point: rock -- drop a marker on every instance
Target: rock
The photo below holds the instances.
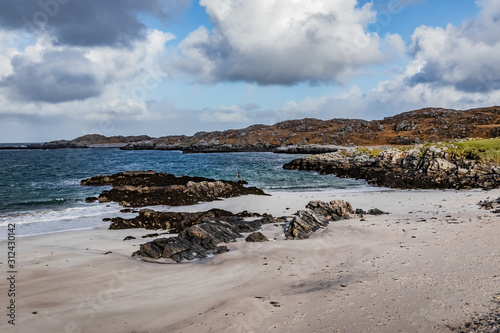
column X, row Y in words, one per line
column 305, row 222
column 129, row 238
column 148, row 188
column 193, row 242
column 307, row 149
column 376, row 211
column 150, row 235
column 489, row 204
column 128, row 210
column 176, row 222
column 256, row 237
column 91, row 199
column 151, row 250
column 429, row 168
column 333, row 210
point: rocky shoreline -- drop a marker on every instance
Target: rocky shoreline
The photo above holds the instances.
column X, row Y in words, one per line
column 413, row 168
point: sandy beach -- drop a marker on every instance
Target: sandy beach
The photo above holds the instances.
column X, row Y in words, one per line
column 433, row 262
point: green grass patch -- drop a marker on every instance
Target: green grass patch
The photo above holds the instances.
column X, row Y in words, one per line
column 486, row 150
column 371, row 152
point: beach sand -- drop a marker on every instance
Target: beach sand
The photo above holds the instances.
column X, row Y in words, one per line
column 433, row 261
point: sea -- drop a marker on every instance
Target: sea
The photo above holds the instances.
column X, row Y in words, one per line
column 40, row 190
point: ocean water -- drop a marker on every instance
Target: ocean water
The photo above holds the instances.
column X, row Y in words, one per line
column 40, row 190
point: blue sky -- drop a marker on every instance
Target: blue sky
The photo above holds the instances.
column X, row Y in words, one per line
column 165, row 67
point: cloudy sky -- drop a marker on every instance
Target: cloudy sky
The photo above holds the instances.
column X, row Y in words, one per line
column 164, row 67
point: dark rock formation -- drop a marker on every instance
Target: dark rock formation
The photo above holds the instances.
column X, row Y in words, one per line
column 376, row 211
column 194, row 242
column 90, row 199
column 333, row 210
column 256, row 237
column 148, row 188
column 318, row 214
column 413, row 168
column 175, row 222
column 129, row 238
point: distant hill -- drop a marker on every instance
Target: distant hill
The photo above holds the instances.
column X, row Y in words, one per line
column 424, row 125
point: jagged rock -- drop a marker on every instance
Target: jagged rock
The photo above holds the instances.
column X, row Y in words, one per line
column 193, row 242
column 176, row 222
column 256, row 237
column 333, row 210
column 305, row 222
column 151, row 250
column 129, row 238
column 148, row 188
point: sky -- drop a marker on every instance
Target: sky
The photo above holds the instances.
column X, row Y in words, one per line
column 168, row 67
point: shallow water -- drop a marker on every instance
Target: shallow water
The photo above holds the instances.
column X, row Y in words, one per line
column 41, row 191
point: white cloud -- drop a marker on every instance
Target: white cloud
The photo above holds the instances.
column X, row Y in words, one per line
column 120, row 80
column 285, row 42
column 464, row 57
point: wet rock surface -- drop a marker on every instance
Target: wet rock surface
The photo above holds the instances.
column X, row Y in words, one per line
column 405, row 169
column 149, row 188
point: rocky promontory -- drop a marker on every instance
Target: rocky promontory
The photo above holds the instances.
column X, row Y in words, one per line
column 149, row 188
column 419, row 167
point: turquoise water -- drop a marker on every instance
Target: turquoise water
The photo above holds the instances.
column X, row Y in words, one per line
column 41, row 192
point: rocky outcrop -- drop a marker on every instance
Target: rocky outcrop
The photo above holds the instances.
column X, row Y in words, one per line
column 317, row 215
column 431, row 168
column 176, row 222
column 149, row 188
column 195, row 242
column 200, row 234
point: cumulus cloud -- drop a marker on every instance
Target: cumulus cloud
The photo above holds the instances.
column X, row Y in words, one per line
column 60, row 76
column 285, row 42
column 88, row 82
column 85, row 23
column 464, row 57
